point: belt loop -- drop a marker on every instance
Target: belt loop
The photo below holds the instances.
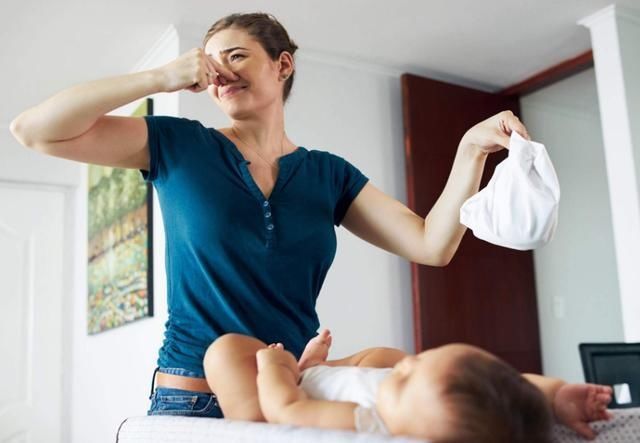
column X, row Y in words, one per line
column 153, row 382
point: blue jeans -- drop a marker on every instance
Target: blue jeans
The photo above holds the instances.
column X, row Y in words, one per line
column 170, row 401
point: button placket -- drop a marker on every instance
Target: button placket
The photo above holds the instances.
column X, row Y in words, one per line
column 268, row 221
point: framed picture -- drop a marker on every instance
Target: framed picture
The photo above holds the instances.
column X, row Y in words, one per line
column 120, row 250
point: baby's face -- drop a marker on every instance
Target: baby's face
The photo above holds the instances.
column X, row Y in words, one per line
column 409, row 399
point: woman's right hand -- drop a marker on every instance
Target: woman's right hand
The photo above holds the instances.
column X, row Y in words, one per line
column 195, row 71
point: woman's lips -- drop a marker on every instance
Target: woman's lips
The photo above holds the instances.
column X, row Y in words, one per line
column 233, row 90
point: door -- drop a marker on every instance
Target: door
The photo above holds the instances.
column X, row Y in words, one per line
column 31, row 306
column 486, row 296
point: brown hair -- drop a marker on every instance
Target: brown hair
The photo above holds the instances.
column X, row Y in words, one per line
column 267, row 30
column 491, row 402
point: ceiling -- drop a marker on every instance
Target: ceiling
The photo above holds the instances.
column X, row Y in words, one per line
column 50, row 45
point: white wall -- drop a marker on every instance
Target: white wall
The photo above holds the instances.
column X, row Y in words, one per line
column 615, row 33
column 576, row 277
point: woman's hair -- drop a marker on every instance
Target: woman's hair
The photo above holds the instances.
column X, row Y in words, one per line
column 267, row 30
column 491, row 402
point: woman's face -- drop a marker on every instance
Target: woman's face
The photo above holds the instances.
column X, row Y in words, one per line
column 409, row 399
column 259, row 85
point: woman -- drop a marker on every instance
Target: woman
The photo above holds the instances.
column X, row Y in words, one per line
column 249, row 215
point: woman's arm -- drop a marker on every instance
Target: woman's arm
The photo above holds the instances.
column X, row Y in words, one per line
column 434, row 240
column 73, row 124
column 73, row 111
column 283, row 401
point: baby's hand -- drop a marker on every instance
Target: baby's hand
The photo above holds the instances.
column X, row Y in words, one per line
column 275, row 354
column 575, row 405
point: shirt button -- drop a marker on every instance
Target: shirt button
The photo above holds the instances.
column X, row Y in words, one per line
column 267, row 214
column 269, row 227
column 265, row 204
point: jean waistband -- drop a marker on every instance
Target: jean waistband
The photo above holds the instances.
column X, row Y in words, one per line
column 180, row 371
column 172, row 371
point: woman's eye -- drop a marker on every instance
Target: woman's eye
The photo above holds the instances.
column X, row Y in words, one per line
column 235, row 55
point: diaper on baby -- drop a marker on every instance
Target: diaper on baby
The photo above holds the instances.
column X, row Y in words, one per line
column 348, row 383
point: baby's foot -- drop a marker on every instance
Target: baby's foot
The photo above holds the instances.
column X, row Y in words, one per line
column 316, row 351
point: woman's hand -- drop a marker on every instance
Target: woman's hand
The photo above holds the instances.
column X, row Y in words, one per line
column 493, row 134
column 195, row 71
column 575, row 405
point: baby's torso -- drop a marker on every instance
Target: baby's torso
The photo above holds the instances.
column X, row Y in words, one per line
column 343, row 383
column 352, row 384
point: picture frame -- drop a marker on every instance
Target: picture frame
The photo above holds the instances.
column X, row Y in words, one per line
column 120, row 244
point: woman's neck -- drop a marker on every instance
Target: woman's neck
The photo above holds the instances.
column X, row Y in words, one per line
column 267, row 136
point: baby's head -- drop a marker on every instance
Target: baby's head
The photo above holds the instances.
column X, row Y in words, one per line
column 460, row 393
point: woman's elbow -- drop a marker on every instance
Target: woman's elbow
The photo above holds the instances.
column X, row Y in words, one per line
column 435, row 260
column 18, row 133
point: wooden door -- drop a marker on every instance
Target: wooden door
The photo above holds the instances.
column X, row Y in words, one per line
column 486, row 296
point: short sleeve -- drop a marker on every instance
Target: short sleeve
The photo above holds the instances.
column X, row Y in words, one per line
column 167, row 137
column 350, row 181
column 154, row 148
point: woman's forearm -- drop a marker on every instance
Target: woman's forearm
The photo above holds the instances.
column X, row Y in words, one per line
column 443, row 230
column 72, row 111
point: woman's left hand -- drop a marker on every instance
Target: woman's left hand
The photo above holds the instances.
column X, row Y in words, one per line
column 494, row 133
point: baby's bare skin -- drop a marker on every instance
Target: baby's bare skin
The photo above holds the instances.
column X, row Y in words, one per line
column 316, row 351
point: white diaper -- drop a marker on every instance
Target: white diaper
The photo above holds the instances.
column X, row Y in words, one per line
column 348, row 383
column 518, row 208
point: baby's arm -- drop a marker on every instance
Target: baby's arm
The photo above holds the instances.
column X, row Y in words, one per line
column 575, row 405
column 549, row 386
column 283, row 401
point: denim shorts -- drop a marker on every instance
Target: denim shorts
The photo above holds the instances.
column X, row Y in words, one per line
column 170, row 401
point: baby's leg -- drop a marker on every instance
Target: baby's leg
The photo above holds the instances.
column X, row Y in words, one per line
column 371, row 358
column 230, row 369
column 317, row 350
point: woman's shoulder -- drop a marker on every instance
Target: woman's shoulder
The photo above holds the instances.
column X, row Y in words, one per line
column 326, row 156
column 173, row 123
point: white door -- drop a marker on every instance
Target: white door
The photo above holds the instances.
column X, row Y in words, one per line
column 31, row 283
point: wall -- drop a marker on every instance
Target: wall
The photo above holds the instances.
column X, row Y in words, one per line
column 576, row 277
column 615, row 32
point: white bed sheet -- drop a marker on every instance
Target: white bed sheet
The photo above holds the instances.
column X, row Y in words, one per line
column 623, row 428
column 170, row 429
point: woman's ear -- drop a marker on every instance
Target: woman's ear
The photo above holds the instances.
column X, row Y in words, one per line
column 286, row 65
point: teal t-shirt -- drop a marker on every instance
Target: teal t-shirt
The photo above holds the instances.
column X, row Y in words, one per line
column 235, row 261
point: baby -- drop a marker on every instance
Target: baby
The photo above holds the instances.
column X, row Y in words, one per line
column 454, row 393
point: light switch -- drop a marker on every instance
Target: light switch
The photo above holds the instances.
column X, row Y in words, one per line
column 558, row 306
